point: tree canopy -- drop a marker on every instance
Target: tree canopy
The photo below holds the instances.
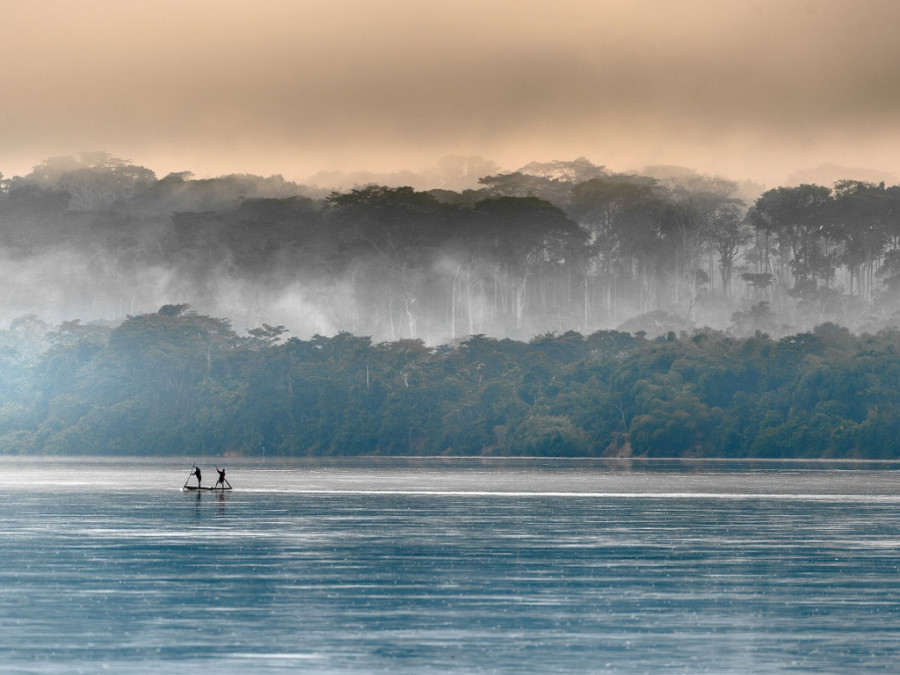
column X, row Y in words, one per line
column 182, row 383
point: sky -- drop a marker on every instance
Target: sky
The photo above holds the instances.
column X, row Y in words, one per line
column 759, row 90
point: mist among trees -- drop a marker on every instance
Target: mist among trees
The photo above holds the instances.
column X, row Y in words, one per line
column 552, row 247
column 558, row 310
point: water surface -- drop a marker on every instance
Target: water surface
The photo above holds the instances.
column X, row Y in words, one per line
column 450, row 565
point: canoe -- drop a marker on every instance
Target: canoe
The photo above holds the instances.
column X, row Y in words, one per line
column 194, row 487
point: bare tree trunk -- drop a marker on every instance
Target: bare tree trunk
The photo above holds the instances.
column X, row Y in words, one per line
column 519, row 300
column 453, row 303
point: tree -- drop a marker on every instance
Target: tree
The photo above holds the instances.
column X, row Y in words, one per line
column 860, row 218
column 527, row 236
column 93, row 180
column 621, row 215
column 703, row 216
column 573, row 171
column 729, row 233
column 267, row 335
column 797, row 218
column 522, row 184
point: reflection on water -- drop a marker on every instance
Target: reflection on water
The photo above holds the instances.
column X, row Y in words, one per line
column 468, row 567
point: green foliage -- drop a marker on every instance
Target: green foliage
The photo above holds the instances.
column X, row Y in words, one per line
column 549, row 436
column 179, row 383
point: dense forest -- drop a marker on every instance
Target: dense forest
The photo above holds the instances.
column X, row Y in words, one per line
column 562, row 309
column 183, row 383
column 553, row 247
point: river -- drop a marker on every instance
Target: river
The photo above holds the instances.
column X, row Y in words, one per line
column 427, row 566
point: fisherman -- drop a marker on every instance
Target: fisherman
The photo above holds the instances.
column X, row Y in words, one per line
column 221, row 480
column 197, row 473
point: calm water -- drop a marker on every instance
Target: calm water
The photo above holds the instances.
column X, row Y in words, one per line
column 530, row 567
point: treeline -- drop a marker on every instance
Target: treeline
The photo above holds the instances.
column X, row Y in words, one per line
column 180, row 383
column 553, row 247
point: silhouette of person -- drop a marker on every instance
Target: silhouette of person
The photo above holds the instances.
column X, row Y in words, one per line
column 221, row 480
column 198, row 474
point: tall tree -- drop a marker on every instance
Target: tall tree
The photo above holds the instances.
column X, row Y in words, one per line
column 797, row 218
column 729, row 234
column 620, row 215
column 860, row 220
column 527, row 236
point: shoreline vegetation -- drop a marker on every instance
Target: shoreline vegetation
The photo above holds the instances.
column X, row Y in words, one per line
column 180, row 383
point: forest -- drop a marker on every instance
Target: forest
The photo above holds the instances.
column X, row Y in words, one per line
column 559, row 310
column 552, row 247
column 175, row 382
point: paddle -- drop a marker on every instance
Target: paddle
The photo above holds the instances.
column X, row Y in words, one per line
column 190, row 475
column 222, row 479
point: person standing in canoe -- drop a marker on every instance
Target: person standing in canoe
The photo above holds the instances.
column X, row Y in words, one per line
column 222, row 480
column 197, row 473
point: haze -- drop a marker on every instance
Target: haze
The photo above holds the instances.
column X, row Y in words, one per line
column 749, row 90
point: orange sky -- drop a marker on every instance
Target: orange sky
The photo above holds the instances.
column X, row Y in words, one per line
column 752, row 89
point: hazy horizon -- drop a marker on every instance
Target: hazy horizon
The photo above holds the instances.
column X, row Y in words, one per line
column 761, row 91
column 404, row 92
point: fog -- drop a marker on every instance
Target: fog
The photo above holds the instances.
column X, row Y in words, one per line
column 752, row 90
column 551, row 247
